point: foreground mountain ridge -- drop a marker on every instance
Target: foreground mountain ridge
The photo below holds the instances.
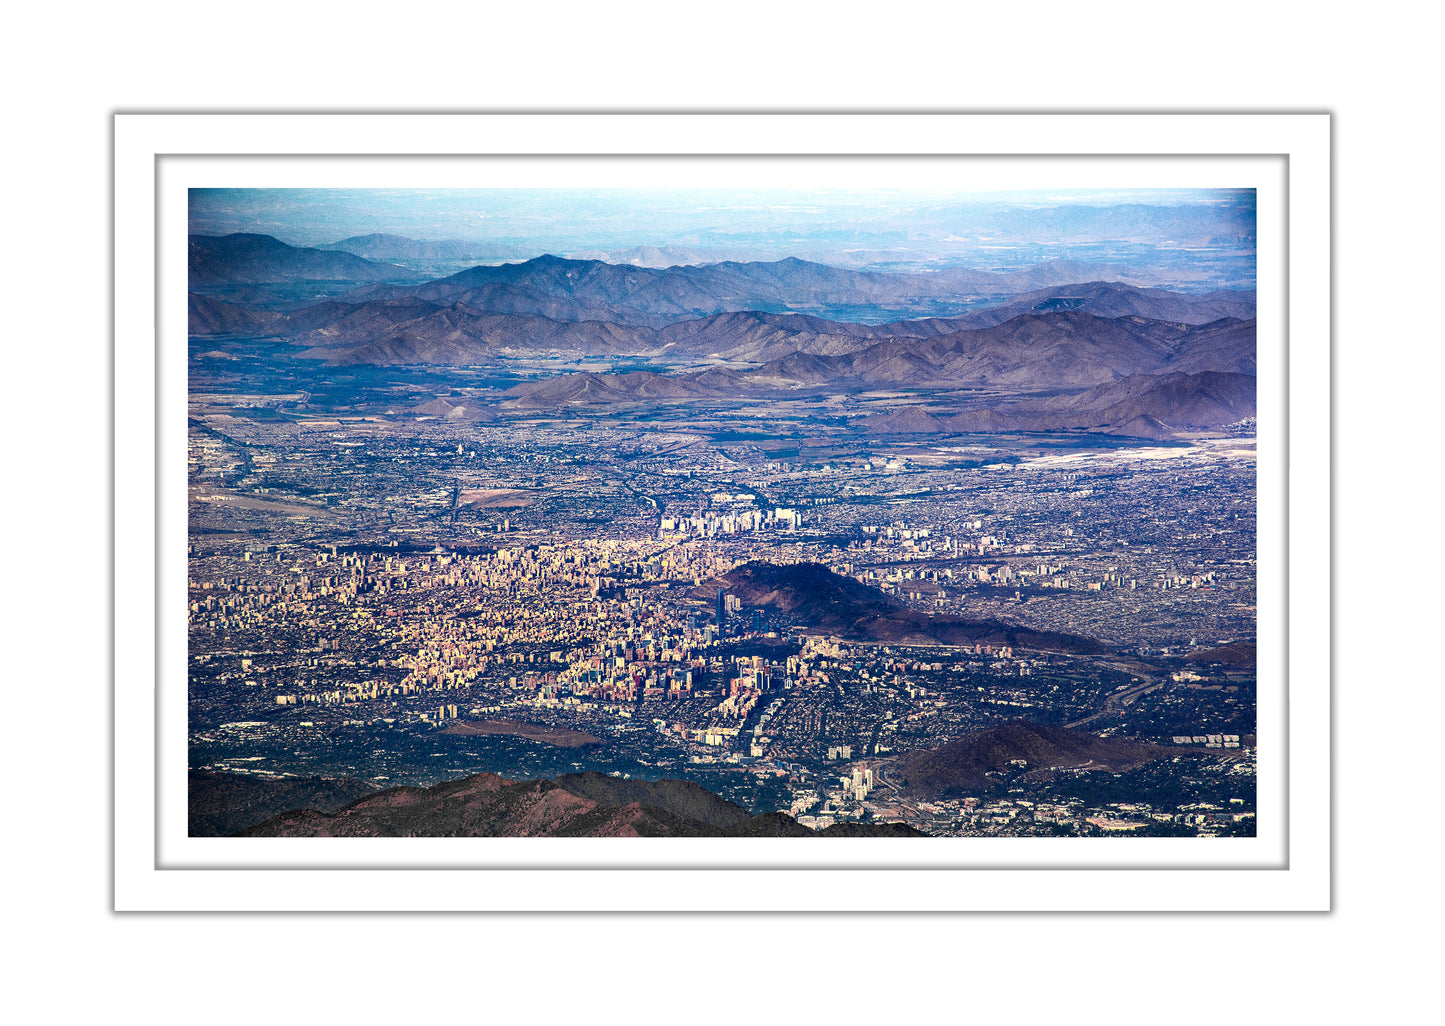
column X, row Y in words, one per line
column 576, row 805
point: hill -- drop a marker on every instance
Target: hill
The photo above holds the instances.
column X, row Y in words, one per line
column 587, row 389
column 381, row 246
column 488, row 313
column 222, row 803
column 1054, row 350
column 207, row 315
column 639, row 293
column 1067, row 351
column 823, row 602
column 392, row 332
column 1178, row 400
column 578, row 805
column 252, row 259
column 1140, row 405
column 1238, row 653
column 962, row 767
column 1114, row 299
column 679, row 797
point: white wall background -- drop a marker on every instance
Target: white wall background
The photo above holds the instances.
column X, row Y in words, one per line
column 68, row 68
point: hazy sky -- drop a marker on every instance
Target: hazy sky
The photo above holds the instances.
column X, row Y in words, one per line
column 837, row 225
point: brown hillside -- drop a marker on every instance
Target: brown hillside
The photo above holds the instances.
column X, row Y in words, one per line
column 962, row 766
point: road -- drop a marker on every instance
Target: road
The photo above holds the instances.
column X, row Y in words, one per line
column 1118, row 700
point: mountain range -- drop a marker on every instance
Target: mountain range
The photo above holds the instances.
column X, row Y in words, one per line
column 1124, row 375
column 1050, row 350
column 594, row 290
column 1058, row 349
column 1031, row 351
column 1141, row 406
column 254, row 259
column 1112, row 299
column 1084, row 356
column 390, row 248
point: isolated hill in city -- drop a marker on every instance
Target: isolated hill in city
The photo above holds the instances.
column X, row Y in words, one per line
column 581, row 805
column 222, row 803
column 962, row 767
column 827, row 603
column 254, row 259
column 823, row 598
column 1236, row 653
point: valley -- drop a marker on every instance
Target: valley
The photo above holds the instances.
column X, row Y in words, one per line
column 836, row 545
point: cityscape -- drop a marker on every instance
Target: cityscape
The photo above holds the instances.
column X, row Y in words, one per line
column 941, row 522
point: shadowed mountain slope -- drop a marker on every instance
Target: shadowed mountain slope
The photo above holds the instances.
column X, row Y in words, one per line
column 1116, row 370
column 1112, row 299
column 592, row 290
column 1142, row 405
column 207, row 315
column 248, row 258
column 222, row 803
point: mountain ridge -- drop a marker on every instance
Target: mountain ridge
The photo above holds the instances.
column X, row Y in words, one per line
column 593, row 290
column 249, row 258
column 575, row 805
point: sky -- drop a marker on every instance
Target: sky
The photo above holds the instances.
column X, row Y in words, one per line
column 1153, row 227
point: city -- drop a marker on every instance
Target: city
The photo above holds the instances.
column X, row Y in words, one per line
column 407, row 573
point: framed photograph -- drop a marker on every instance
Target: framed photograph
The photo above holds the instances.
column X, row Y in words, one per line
column 711, row 512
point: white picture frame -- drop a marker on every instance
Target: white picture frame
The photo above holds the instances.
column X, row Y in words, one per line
column 1288, row 867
